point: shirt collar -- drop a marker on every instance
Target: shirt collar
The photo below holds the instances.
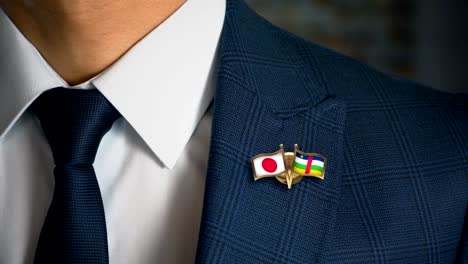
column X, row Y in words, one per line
column 161, row 86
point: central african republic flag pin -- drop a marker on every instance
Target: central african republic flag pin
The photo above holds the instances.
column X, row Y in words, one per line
column 289, row 167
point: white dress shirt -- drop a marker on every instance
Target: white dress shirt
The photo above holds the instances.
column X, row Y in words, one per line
column 150, row 166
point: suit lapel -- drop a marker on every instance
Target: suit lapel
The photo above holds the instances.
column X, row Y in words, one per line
column 265, row 98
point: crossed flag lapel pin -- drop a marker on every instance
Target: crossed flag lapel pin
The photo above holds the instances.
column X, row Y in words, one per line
column 289, row 167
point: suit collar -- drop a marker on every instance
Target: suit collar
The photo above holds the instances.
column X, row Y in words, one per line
column 271, row 61
column 267, row 94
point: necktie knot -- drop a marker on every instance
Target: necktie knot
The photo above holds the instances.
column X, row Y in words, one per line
column 74, row 122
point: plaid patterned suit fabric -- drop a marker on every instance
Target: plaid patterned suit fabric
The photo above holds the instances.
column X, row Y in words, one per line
column 396, row 189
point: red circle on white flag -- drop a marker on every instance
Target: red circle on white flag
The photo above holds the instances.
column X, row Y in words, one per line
column 269, row 165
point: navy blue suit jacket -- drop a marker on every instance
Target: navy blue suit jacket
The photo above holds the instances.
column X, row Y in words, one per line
column 396, row 187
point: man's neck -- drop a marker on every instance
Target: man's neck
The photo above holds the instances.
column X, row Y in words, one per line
column 79, row 39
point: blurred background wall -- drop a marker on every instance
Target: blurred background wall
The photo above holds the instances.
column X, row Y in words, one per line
column 424, row 40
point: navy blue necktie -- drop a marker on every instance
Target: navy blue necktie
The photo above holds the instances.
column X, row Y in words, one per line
column 74, row 122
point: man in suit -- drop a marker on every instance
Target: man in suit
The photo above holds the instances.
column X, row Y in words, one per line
column 136, row 80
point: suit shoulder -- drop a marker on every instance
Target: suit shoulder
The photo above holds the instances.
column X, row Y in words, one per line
column 300, row 71
column 351, row 79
